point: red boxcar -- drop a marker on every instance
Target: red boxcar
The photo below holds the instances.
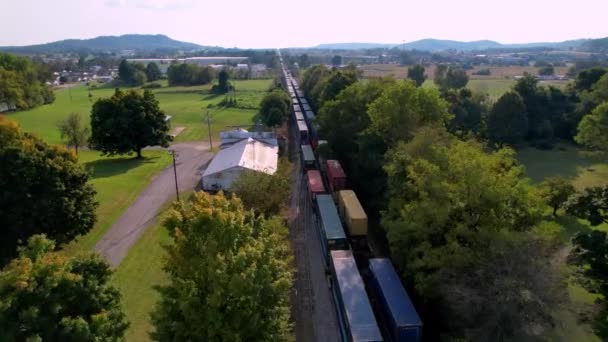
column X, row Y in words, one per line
column 315, row 184
column 335, row 176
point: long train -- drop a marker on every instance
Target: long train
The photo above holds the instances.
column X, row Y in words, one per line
column 378, row 308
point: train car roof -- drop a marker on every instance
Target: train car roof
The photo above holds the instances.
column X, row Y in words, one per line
column 315, row 183
column 299, row 116
column 310, row 114
column 399, row 303
column 334, row 169
column 329, row 217
column 306, row 107
column 351, row 202
column 358, row 309
column 307, row 152
column 302, row 126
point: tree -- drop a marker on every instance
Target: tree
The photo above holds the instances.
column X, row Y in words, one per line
column 593, row 129
column 125, row 71
column 336, row 60
column 507, row 121
column 535, row 101
column 469, row 111
column 303, row 61
column 44, row 190
column 128, row 122
column 153, row 72
column 73, row 131
column 47, row 296
column 229, row 272
column 275, row 108
column 402, row 109
column 337, row 81
column 546, row 71
column 189, row 74
column 588, row 77
column 416, row 73
column 22, row 83
column 448, row 77
column 223, row 84
column 265, row 194
column 555, row 191
column 451, row 205
column 591, row 204
column 589, row 255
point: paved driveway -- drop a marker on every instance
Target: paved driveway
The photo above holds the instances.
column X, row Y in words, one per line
column 191, row 160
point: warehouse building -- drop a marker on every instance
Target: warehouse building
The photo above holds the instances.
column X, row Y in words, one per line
column 229, row 163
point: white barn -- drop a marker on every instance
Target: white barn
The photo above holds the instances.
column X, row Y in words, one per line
column 229, row 163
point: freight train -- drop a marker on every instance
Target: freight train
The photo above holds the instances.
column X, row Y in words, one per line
column 372, row 308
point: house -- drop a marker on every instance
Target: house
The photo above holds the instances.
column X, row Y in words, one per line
column 247, row 155
column 229, row 138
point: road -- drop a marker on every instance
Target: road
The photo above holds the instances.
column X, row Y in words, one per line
column 313, row 310
column 191, row 160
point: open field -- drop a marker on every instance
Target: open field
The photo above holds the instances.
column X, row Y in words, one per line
column 136, row 278
column 118, row 180
column 567, row 161
column 494, row 85
column 186, row 105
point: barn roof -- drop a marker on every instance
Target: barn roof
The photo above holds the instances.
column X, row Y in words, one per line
column 250, row 154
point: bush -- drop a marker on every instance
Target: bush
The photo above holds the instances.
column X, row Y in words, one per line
column 152, row 86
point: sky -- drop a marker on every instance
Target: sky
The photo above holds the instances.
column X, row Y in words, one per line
column 288, row 23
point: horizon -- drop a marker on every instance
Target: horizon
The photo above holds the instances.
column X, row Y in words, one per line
column 277, row 24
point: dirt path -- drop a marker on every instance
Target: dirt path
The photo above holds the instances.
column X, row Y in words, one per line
column 191, row 160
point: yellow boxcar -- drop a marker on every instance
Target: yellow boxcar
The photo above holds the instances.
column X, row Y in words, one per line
column 352, row 212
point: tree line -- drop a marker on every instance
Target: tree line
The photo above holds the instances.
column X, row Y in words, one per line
column 22, row 83
column 463, row 224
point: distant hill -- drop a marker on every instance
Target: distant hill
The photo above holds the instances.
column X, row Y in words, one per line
column 138, row 42
column 595, row 45
column 435, row 45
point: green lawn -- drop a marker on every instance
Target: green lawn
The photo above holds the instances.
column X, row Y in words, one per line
column 186, row 105
column 118, row 181
column 567, row 161
column 137, row 276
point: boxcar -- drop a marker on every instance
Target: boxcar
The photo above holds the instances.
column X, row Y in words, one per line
column 315, row 184
column 306, row 107
column 298, row 115
column 303, row 100
column 310, row 116
column 335, row 176
column 303, row 132
column 354, row 310
column 352, row 213
column 330, row 228
column 308, row 158
column 295, row 102
column 401, row 319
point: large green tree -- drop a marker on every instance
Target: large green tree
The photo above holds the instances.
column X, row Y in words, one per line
column 229, row 274
column 591, row 204
column 508, row 121
column 469, row 110
column 275, row 108
column 455, row 213
column 43, row 190
column 450, row 77
column 131, row 73
column 337, row 81
column 593, row 129
column 22, row 83
column 46, row 296
column 416, row 73
column 555, row 191
column 128, row 122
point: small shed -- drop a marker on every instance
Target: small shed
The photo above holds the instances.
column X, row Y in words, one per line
column 248, row 155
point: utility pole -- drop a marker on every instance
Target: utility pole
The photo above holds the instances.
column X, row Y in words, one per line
column 175, row 173
column 209, row 130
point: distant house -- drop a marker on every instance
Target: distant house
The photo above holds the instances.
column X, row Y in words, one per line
column 246, row 155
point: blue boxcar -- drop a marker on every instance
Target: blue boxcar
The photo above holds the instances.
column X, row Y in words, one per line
column 331, row 230
column 400, row 316
column 354, row 310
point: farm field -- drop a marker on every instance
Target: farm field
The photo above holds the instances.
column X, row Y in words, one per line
column 118, row 180
column 494, row 85
column 186, row 106
column 567, row 161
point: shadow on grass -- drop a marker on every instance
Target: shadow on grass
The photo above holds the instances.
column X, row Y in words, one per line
column 102, row 168
column 571, row 225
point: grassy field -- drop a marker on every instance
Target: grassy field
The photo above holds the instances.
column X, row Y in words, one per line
column 186, row 105
column 567, row 161
column 137, row 276
column 118, row 181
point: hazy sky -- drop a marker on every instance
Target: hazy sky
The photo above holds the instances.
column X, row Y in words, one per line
column 287, row 23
